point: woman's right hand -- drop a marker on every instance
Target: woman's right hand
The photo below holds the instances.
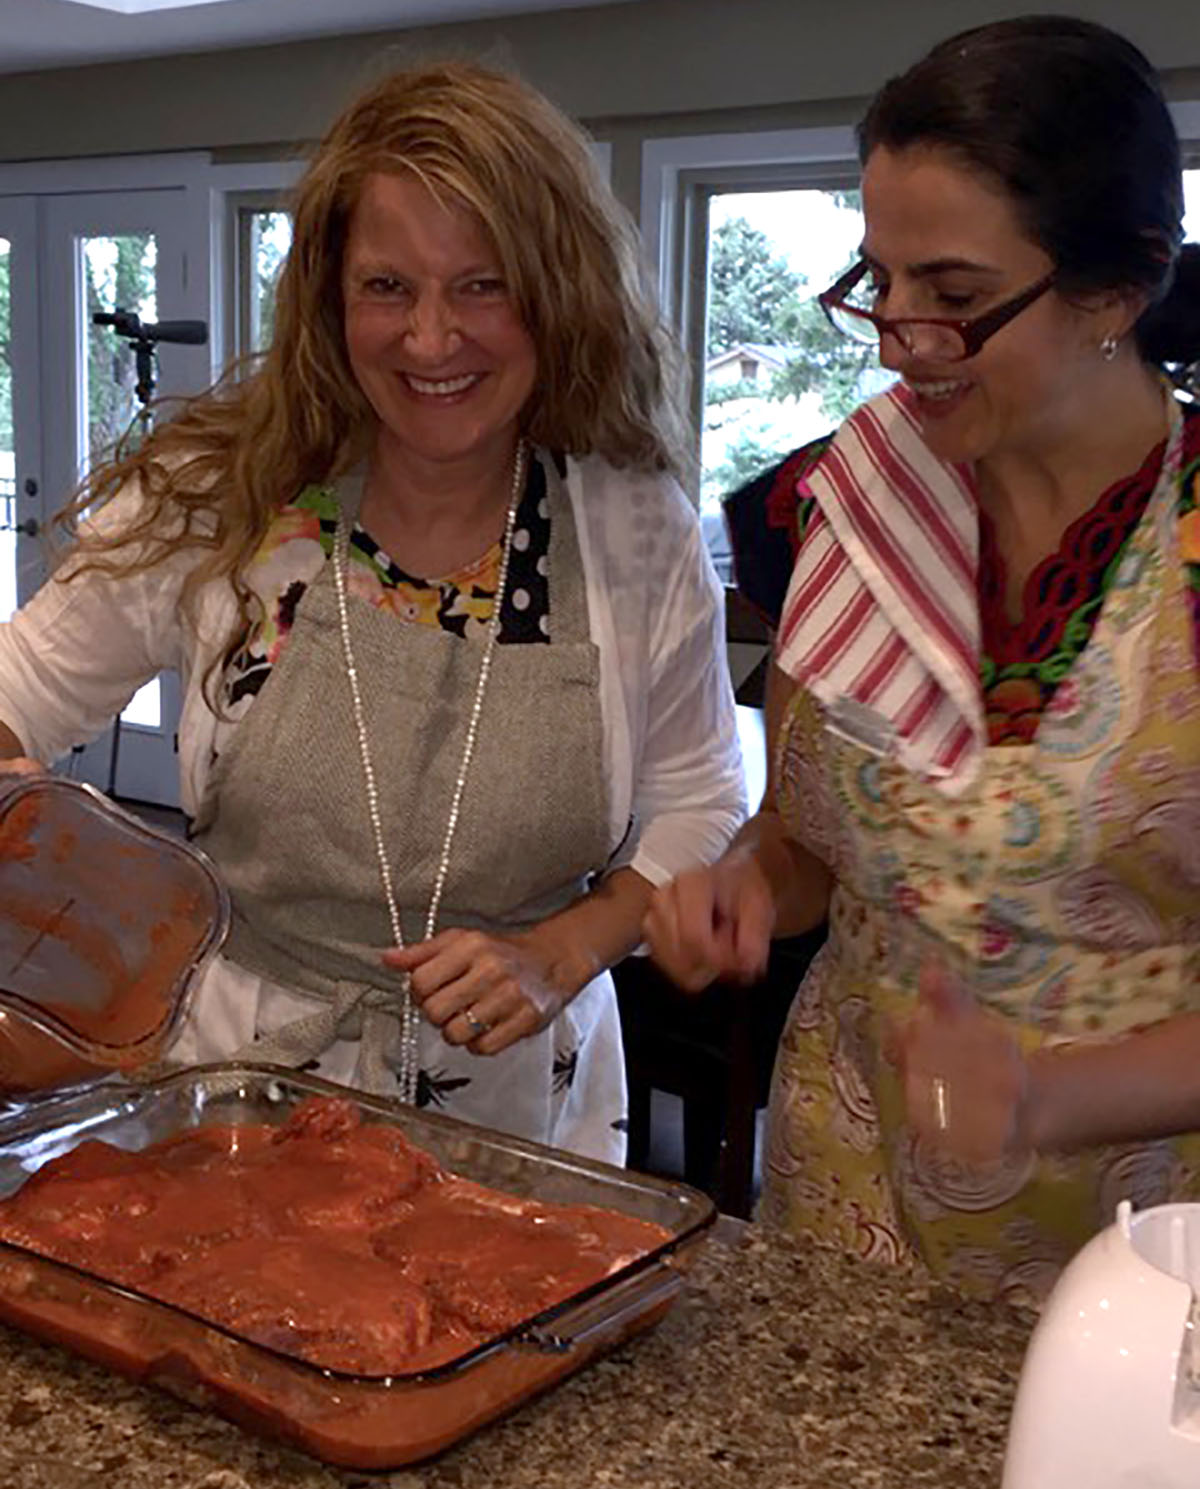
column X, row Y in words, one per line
column 12, row 754
column 21, row 765
column 713, row 923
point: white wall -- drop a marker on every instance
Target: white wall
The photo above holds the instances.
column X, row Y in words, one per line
column 657, row 67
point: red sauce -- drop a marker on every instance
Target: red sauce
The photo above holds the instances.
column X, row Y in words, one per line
column 63, row 845
column 329, row 1238
column 16, row 831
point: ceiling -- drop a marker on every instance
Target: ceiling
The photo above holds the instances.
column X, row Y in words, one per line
column 38, row 34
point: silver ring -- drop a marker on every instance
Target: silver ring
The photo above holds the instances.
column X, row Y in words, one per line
column 477, row 1026
column 941, row 1103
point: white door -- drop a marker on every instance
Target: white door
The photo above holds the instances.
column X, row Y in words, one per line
column 22, row 513
column 101, row 252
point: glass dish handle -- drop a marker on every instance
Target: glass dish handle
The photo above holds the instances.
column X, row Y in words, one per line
column 643, row 1294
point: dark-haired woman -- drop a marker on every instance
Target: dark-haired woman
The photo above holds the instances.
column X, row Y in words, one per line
column 986, row 701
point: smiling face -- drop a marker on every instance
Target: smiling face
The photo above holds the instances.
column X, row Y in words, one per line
column 943, row 241
column 433, row 335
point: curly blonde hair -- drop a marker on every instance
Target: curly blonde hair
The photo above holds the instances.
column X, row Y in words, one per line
column 610, row 376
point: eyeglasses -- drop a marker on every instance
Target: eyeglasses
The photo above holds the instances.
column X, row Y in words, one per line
column 849, row 307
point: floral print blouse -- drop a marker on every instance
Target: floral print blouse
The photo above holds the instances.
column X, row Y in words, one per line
column 300, row 540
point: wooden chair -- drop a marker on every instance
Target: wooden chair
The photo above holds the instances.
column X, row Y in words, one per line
column 716, row 1051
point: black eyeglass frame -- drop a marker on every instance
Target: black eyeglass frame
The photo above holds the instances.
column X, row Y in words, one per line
column 972, row 332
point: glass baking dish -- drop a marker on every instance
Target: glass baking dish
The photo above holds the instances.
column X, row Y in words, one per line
column 105, row 927
column 355, row 1421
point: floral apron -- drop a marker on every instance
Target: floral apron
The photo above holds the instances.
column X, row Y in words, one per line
column 1068, row 880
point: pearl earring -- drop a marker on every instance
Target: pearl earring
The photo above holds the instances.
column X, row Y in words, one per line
column 1108, row 347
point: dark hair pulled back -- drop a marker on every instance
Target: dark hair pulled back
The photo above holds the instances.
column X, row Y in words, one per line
column 1070, row 119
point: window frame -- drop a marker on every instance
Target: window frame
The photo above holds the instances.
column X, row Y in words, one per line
column 240, row 207
column 680, row 176
column 1186, row 116
column 236, row 190
column 698, row 189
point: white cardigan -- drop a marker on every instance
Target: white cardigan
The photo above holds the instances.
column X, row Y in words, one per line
column 77, row 652
column 74, row 656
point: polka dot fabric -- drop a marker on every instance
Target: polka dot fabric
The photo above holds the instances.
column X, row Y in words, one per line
column 300, row 541
column 470, row 594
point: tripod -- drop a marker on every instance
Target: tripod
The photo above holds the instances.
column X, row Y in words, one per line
column 143, row 339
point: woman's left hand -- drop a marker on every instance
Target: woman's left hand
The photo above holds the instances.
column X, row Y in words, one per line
column 966, row 1081
column 481, row 990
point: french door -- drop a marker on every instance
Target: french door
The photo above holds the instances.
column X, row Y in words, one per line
column 74, row 386
column 21, row 503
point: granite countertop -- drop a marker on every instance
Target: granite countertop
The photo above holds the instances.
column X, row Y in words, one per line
column 778, row 1368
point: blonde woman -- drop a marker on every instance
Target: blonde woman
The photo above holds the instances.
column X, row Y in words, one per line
column 450, row 640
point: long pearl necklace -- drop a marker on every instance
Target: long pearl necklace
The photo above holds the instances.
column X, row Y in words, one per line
column 409, row 1017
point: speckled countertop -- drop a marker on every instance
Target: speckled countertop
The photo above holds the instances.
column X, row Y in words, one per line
column 778, row 1368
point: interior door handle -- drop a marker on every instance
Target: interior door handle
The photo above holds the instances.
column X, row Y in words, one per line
column 28, row 529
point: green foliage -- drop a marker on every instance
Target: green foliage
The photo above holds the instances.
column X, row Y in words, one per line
column 750, row 291
column 270, row 238
column 754, row 296
column 112, row 370
column 825, row 361
column 6, row 411
column 744, row 387
column 747, row 456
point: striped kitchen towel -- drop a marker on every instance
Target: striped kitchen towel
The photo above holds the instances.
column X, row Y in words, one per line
column 881, row 620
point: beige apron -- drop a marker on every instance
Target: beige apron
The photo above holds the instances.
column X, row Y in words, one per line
column 285, row 818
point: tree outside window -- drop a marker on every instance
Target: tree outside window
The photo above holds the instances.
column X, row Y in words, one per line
column 776, row 373
column 270, row 239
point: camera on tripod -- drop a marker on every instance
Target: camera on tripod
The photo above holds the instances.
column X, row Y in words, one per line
column 144, row 336
column 126, row 323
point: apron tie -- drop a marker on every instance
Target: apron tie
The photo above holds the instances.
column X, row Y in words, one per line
column 355, row 1011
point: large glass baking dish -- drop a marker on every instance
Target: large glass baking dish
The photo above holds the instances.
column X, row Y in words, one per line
column 351, row 1420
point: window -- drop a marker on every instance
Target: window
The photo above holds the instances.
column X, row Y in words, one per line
column 117, row 270
column 775, row 374
column 262, row 237
column 744, row 230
